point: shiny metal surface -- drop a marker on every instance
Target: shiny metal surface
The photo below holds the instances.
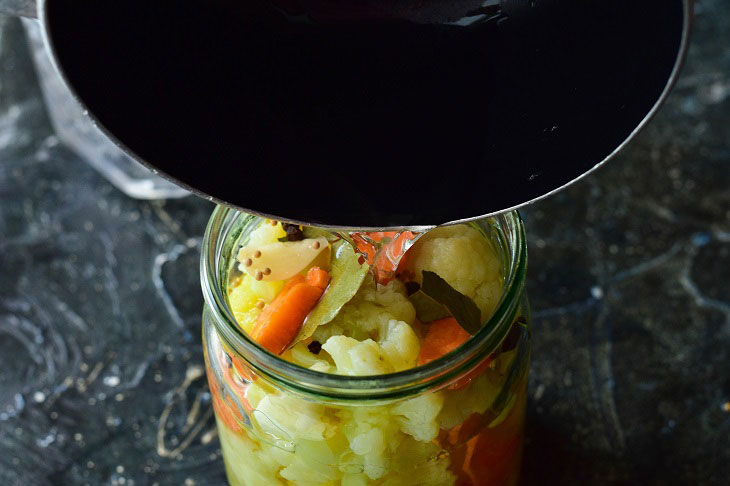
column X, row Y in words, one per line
column 539, row 137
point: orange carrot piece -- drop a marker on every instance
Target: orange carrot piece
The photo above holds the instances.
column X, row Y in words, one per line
column 366, row 247
column 493, row 457
column 280, row 321
column 442, row 337
column 296, row 279
column 317, row 277
column 224, row 409
column 383, row 264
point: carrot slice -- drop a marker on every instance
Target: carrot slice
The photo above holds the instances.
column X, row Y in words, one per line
column 318, row 278
column 280, row 321
column 296, row 279
column 487, row 456
column 442, row 337
column 493, row 457
column 383, row 262
column 224, row 410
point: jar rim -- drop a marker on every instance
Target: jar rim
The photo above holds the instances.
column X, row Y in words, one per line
column 331, row 386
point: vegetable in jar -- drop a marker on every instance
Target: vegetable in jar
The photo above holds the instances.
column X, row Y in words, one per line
column 391, row 359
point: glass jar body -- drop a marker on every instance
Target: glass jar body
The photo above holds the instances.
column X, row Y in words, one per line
column 460, row 427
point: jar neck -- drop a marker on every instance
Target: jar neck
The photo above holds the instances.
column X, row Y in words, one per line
column 221, row 238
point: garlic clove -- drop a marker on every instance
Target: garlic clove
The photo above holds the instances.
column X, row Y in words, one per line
column 282, row 260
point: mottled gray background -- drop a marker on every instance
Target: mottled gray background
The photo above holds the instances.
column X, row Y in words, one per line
column 100, row 375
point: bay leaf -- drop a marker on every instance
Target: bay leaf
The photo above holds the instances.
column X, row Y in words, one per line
column 464, row 310
column 346, row 277
column 312, row 232
column 427, row 309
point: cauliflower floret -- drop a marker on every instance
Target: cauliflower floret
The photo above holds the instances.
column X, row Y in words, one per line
column 255, row 393
column 479, row 395
column 368, row 442
column 286, row 418
column 373, row 306
column 322, row 367
column 373, row 436
column 300, row 354
column 353, row 357
column 376, row 465
column 399, row 344
column 461, row 256
column 460, row 404
column 314, row 462
column 393, row 297
column 417, row 416
column 262, row 471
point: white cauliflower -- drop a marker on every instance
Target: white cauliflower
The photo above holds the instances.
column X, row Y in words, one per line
column 287, row 418
column 373, row 437
column 371, row 445
column 372, row 334
column 475, row 398
column 389, row 445
column 314, row 463
column 256, row 391
column 417, row 416
column 397, row 349
column 353, row 357
column 264, row 470
column 373, row 306
column 300, row 354
column 322, row 367
column 370, row 442
column 393, row 299
column 461, row 256
column 399, row 344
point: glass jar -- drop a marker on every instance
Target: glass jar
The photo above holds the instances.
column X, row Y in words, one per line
column 457, row 420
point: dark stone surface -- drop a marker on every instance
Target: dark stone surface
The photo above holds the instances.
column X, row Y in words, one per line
column 100, row 305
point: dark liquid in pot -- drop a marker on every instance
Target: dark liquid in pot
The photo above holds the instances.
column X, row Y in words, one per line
column 366, row 112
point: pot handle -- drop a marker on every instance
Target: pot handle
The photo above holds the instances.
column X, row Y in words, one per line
column 19, row 8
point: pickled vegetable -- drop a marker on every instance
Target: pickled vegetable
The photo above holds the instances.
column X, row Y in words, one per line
column 366, row 323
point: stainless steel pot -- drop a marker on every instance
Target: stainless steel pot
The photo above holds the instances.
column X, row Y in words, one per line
column 570, row 82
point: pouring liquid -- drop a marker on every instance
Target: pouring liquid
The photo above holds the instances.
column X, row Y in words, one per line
column 383, row 250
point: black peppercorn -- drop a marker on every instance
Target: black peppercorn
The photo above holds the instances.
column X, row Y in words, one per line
column 315, row 347
column 293, row 231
